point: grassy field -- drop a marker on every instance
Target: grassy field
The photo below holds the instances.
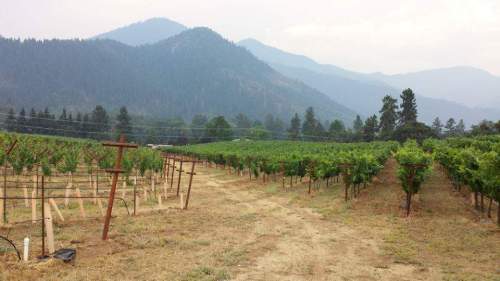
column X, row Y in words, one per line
column 236, row 229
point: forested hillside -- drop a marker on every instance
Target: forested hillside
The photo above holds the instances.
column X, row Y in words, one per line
column 195, row 72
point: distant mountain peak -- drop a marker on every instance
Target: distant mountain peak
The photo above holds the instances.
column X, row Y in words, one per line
column 149, row 31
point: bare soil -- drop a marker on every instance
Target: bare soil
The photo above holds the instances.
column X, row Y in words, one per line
column 236, row 229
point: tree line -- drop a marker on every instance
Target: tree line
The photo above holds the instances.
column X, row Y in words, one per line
column 394, row 122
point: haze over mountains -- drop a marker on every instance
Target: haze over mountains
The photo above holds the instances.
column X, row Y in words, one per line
column 162, row 68
column 463, row 84
column 364, row 92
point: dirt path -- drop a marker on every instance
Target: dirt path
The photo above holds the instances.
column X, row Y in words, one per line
column 308, row 247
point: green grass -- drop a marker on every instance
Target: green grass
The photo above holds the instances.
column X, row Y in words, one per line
column 204, row 273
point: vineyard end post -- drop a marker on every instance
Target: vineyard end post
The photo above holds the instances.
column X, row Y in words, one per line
column 116, row 171
column 191, row 174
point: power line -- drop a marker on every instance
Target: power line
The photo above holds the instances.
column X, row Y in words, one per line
column 49, row 130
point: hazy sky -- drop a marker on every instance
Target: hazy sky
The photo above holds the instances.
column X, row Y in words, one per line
column 363, row 35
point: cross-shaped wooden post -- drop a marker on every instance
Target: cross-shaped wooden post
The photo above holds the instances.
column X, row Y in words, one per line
column 115, row 171
column 191, row 174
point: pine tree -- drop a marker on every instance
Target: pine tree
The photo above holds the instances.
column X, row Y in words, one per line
column 388, row 117
column 32, row 122
column 123, row 125
column 100, row 121
column 11, row 122
column 279, row 128
column 77, row 125
column 198, row 126
column 63, row 117
column 21, row 121
column 460, row 128
column 337, row 130
column 294, row 130
column 86, row 127
column 450, row 127
column 243, row 125
column 357, row 129
column 218, row 129
column 370, row 128
column 357, row 126
column 319, row 130
column 408, row 113
column 309, row 125
column 269, row 122
column 437, row 127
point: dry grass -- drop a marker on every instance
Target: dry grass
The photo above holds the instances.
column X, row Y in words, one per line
column 241, row 230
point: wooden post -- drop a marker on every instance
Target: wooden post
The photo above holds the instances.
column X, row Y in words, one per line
column 165, row 187
column 309, row 191
column 49, row 227
column 135, row 195
column 124, row 189
column 191, row 174
column 80, row 202
column 34, row 181
column 145, row 189
column 26, row 200
column 167, row 168
column 92, row 187
column 179, row 181
column 116, row 171
column 159, row 200
column 172, row 175
column 153, row 178
column 1, row 206
column 33, row 207
column 43, row 216
column 68, row 190
column 99, row 204
column 4, row 195
column 181, row 198
column 54, row 205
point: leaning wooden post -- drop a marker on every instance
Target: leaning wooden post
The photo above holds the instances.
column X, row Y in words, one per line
column 116, row 171
column 191, row 174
